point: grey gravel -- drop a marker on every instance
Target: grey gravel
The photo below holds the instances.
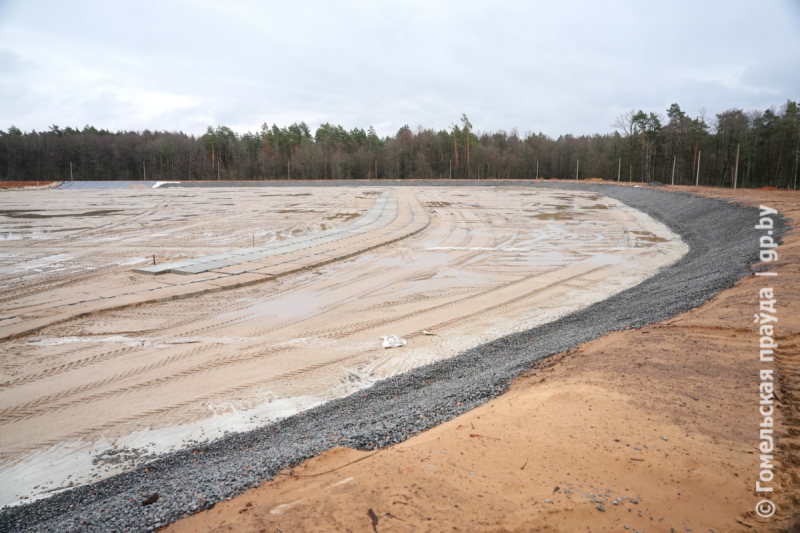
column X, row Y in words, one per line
column 722, row 242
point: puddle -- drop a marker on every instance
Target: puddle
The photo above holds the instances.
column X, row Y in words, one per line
column 603, row 258
column 287, row 307
column 596, row 206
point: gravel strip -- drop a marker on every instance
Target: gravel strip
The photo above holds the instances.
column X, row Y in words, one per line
column 722, row 242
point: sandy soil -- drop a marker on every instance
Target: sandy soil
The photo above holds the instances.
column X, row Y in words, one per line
column 66, row 253
column 28, row 184
column 471, row 265
column 666, row 415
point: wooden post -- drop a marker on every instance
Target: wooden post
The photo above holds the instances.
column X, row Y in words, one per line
column 674, row 160
column 154, row 259
column 697, row 180
column 736, row 168
column 630, row 176
column 619, row 170
column 577, row 169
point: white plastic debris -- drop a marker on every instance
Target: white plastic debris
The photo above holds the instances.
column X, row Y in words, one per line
column 426, row 332
column 393, row 341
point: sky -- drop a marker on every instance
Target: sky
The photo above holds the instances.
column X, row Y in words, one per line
column 551, row 67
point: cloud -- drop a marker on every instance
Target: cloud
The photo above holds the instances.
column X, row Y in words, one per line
column 12, row 63
column 565, row 68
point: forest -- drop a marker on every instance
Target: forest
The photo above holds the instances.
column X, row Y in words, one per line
column 754, row 148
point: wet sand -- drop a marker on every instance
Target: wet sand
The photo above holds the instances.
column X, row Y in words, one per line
column 158, row 375
column 666, row 415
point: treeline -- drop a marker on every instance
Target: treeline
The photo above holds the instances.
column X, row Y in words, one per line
column 643, row 147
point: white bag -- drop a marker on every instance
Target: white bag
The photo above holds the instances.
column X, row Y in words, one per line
column 392, row 341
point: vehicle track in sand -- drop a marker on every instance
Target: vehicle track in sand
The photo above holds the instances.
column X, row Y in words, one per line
column 468, row 270
column 24, row 411
column 155, row 309
column 93, row 249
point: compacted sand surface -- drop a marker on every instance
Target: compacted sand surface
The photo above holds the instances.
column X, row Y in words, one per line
column 111, row 367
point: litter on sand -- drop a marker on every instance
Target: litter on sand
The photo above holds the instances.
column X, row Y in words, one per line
column 392, row 341
column 426, row 332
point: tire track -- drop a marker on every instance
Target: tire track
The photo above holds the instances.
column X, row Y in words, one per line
column 159, row 412
column 14, row 414
column 512, row 302
column 43, row 400
column 396, row 234
column 28, row 409
column 66, row 367
column 371, row 324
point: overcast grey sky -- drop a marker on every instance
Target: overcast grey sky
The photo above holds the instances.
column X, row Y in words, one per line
column 556, row 67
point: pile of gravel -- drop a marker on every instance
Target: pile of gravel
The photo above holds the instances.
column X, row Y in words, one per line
column 722, row 242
